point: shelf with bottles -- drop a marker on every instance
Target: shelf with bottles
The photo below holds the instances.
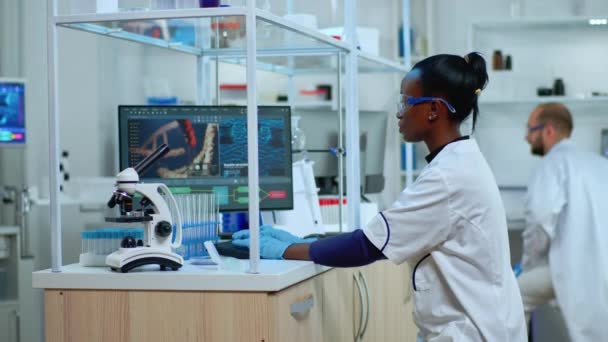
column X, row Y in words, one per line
column 572, row 100
column 541, row 65
column 282, row 46
column 564, row 23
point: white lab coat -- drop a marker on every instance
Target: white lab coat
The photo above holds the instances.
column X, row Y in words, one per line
column 465, row 289
column 567, row 217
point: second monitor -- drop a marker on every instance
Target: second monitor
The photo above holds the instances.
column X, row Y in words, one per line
column 209, row 151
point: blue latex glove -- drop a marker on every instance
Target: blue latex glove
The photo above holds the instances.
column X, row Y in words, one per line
column 517, row 269
column 279, row 234
column 270, row 248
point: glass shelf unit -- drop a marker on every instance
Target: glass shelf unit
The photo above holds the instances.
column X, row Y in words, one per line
column 282, row 46
column 222, row 34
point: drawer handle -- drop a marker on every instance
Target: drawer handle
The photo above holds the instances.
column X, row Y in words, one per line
column 300, row 309
column 367, row 305
column 361, row 312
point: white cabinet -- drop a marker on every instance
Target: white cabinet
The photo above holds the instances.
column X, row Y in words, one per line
column 324, row 308
column 371, row 303
column 9, row 322
column 9, row 284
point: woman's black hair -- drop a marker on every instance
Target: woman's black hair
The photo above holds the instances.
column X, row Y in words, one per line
column 459, row 80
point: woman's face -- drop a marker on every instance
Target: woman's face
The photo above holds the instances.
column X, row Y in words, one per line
column 414, row 124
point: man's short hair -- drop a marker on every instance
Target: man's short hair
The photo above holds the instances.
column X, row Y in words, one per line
column 558, row 115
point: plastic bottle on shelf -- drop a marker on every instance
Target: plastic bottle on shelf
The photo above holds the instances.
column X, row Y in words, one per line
column 298, row 139
column 559, row 89
column 508, row 62
column 497, row 61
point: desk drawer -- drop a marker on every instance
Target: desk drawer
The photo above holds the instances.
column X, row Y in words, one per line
column 295, row 313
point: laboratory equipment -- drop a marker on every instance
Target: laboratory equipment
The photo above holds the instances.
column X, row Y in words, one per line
column 559, row 88
column 12, row 112
column 497, row 60
column 153, row 213
column 209, row 151
column 508, row 62
column 200, row 216
column 305, row 218
column 97, row 244
column 213, row 254
column 298, row 139
column 321, row 127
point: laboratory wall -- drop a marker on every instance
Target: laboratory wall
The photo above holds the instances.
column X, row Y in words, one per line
column 575, row 54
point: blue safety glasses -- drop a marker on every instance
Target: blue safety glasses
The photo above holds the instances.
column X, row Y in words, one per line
column 535, row 128
column 407, row 102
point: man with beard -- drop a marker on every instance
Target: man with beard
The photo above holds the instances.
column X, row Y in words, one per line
column 564, row 253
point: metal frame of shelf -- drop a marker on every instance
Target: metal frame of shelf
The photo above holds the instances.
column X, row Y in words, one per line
column 538, row 23
column 348, row 58
column 532, row 24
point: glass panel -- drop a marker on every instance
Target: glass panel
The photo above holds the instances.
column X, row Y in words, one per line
column 76, row 7
column 212, row 36
column 372, row 64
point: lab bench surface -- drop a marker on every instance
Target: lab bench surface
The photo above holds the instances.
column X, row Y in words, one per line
column 274, row 275
column 371, row 303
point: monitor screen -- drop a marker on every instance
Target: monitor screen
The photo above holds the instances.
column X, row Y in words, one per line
column 208, row 151
column 12, row 112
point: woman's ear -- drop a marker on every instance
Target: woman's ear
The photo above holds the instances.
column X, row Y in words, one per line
column 548, row 130
column 433, row 112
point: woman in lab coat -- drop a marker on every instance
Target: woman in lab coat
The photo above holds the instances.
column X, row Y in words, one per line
column 449, row 225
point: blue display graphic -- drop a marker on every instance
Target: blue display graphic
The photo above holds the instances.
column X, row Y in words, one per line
column 271, row 147
column 12, row 113
column 208, row 151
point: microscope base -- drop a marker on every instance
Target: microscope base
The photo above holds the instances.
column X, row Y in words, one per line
column 126, row 259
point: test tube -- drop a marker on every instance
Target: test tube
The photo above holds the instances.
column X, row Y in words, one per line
column 83, row 237
column 178, row 200
column 90, row 242
column 190, row 208
column 95, row 235
column 197, row 224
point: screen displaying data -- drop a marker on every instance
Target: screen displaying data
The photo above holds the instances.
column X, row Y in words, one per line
column 12, row 112
column 208, row 151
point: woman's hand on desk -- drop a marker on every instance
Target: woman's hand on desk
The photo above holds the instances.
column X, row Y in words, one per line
column 274, row 242
column 270, row 248
column 268, row 230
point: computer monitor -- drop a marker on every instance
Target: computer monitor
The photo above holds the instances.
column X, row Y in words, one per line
column 321, row 131
column 209, row 151
column 12, row 112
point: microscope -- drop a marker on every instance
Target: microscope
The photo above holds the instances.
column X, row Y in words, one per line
column 153, row 213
